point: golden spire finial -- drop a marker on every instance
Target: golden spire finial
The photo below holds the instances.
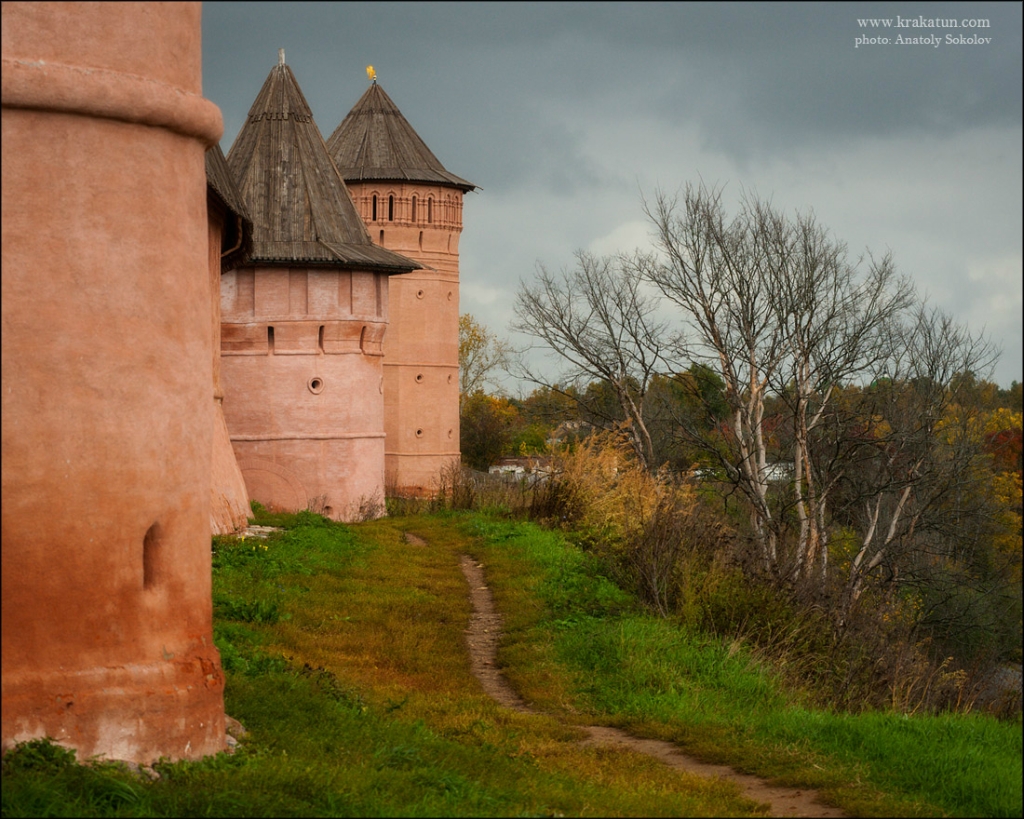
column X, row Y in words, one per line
column 371, row 74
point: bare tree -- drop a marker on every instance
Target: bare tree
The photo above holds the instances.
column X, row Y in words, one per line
column 777, row 308
column 602, row 324
column 719, row 274
column 794, row 328
column 835, row 325
column 921, row 450
column 481, row 355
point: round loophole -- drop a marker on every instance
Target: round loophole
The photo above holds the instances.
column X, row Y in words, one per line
column 419, row 378
column 316, row 385
column 420, row 294
column 419, row 433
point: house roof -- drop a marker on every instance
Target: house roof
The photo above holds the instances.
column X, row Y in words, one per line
column 300, row 207
column 375, row 142
column 223, row 188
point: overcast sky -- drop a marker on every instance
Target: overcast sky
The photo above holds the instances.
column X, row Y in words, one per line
column 565, row 113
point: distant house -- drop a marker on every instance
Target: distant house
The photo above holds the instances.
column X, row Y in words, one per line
column 708, row 473
column 535, row 468
column 778, row 472
column 775, row 472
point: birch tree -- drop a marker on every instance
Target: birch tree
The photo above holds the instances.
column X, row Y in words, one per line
column 718, row 273
column 919, row 450
column 602, row 326
column 834, row 322
column 776, row 306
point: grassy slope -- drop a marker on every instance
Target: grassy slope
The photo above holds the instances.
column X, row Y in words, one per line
column 635, row 671
column 345, row 659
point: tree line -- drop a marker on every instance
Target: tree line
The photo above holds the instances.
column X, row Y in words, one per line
column 849, row 424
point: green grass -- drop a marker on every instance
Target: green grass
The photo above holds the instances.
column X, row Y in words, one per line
column 345, row 659
column 635, row 671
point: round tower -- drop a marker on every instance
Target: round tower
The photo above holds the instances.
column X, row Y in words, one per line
column 107, row 417
column 413, row 206
column 303, row 321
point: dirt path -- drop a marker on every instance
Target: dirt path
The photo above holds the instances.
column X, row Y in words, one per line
column 482, row 637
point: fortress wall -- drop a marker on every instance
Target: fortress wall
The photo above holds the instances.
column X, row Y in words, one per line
column 303, row 379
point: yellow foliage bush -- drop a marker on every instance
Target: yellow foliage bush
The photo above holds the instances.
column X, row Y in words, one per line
column 650, row 528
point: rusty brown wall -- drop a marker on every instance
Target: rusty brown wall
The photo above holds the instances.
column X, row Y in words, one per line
column 107, row 349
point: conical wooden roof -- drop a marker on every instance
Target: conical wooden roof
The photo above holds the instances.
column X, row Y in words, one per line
column 375, row 142
column 300, row 207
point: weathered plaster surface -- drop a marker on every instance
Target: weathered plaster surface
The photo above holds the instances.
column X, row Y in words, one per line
column 106, row 402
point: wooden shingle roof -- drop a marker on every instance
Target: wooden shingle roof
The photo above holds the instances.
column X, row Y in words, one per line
column 300, row 207
column 375, row 142
column 222, row 187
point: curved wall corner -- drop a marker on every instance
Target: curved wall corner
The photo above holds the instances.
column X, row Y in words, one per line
column 107, row 420
column 273, row 485
column 229, row 499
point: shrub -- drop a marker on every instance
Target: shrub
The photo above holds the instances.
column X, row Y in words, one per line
column 455, row 489
column 42, row 755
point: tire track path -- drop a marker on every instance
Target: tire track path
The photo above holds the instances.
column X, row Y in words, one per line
column 482, row 638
